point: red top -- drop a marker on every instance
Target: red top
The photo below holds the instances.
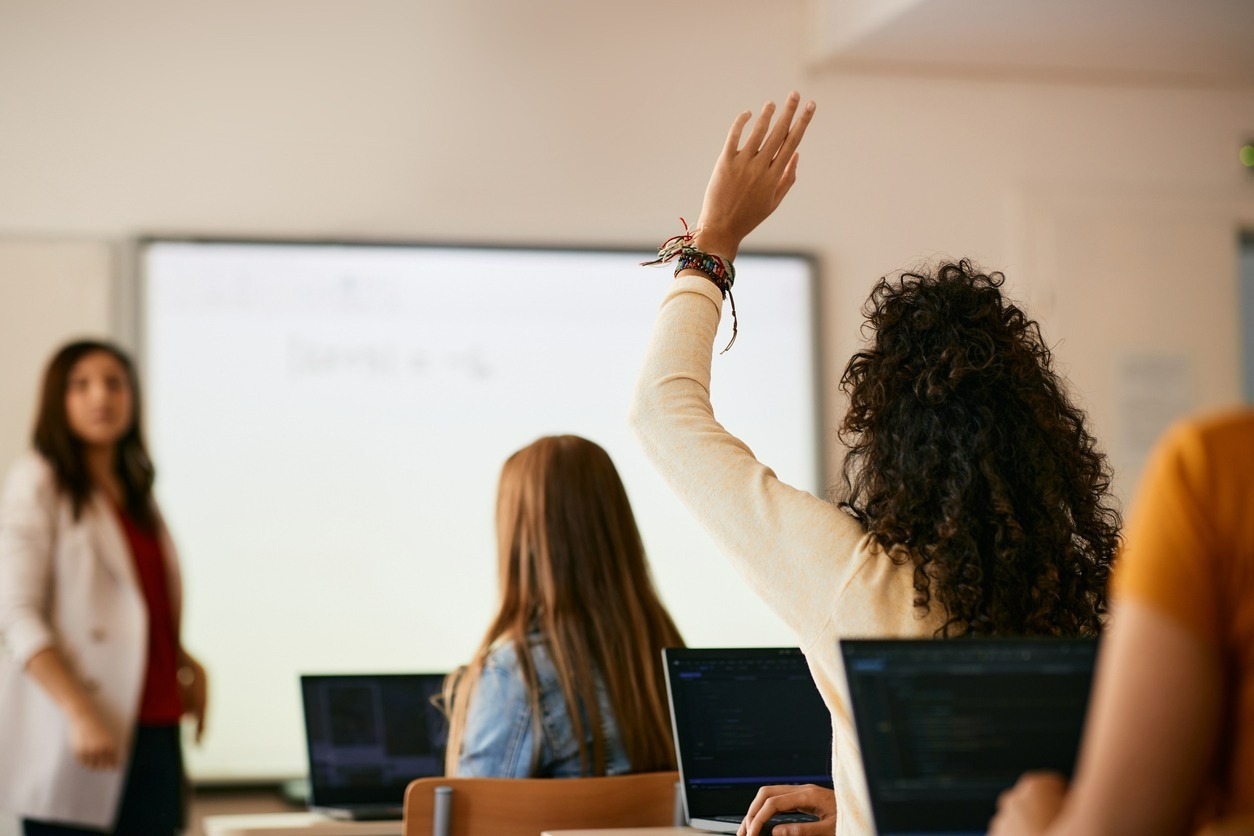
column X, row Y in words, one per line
column 161, row 704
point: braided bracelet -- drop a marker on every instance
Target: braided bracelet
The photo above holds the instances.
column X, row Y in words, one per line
column 716, row 268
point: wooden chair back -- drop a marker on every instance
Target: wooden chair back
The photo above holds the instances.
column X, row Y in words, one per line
column 1233, row 826
column 528, row 806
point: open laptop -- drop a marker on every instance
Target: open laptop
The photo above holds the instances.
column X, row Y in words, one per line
column 946, row 725
column 744, row 718
column 368, row 736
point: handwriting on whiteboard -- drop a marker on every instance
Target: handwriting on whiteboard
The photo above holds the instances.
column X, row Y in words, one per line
column 309, row 358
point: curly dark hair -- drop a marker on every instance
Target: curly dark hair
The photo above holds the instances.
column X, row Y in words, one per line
column 967, row 457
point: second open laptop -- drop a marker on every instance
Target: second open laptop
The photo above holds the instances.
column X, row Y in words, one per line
column 744, row 718
column 946, row 725
column 368, row 736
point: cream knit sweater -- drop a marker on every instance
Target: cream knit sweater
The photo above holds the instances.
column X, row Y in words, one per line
column 808, row 560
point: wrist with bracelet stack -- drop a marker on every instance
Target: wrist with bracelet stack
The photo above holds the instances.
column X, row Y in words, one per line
column 682, row 250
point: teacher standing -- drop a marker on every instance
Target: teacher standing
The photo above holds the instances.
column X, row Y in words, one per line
column 94, row 680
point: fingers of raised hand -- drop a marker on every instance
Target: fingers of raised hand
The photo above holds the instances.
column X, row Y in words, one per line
column 787, row 179
column 779, row 133
column 733, row 135
column 795, row 131
column 754, row 143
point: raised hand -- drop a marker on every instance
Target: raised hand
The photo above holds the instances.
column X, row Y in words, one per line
column 749, row 181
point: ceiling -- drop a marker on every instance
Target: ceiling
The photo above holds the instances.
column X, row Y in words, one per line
column 1187, row 42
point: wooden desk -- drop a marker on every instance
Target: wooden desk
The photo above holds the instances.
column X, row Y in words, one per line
column 629, row 831
column 312, row 824
column 296, row 824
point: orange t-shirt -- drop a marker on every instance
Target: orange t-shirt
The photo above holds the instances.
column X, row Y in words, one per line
column 1189, row 553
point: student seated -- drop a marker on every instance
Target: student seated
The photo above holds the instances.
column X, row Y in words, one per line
column 974, row 499
column 1169, row 740
column 568, row 680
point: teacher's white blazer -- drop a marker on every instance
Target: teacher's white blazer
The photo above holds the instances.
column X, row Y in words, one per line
column 69, row 584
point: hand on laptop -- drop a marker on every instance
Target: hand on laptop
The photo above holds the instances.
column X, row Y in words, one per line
column 1029, row 807
column 788, row 798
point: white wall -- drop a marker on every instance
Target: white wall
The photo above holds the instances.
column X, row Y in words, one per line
column 50, row 290
column 1114, row 210
column 566, row 122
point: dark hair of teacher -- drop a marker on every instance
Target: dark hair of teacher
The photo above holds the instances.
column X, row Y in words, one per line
column 57, row 443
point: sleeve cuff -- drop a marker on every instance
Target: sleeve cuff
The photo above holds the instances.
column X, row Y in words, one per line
column 24, row 640
column 698, row 284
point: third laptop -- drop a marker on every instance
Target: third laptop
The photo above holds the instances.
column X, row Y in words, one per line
column 743, row 719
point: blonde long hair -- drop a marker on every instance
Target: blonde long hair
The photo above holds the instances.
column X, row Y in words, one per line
column 572, row 569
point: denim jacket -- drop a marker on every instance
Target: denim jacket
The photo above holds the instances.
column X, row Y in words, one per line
column 500, row 736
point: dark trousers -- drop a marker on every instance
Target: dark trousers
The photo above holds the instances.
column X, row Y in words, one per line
column 152, row 795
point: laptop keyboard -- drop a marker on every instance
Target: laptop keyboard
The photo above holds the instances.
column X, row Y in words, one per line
column 778, row 818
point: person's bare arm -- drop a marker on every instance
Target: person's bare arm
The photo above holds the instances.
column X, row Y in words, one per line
column 93, row 743
column 1150, row 737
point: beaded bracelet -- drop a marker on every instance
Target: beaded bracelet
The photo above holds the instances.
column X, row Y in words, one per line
column 716, row 268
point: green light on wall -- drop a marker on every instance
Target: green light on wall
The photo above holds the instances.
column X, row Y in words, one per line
column 1247, row 155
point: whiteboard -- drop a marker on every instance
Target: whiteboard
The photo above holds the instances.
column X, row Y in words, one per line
column 328, row 423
